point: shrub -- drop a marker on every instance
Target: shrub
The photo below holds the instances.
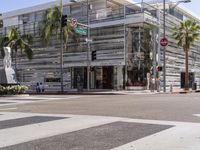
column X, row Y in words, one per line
column 13, row 90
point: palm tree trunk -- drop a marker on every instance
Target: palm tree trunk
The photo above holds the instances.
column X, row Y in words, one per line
column 186, row 70
column 16, row 65
column 15, row 60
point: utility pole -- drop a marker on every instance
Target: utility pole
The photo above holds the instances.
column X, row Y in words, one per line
column 164, row 48
column 88, row 51
column 61, row 61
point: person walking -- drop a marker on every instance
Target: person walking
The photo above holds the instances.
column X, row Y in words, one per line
column 38, row 88
column 152, row 84
column 41, row 87
column 158, row 84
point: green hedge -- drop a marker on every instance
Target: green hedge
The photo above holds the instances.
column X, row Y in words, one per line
column 13, row 90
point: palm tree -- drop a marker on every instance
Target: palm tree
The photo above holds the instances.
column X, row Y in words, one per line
column 16, row 41
column 186, row 34
column 53, row 24
column 3, row 43
column 19, row 41
column 1, row 23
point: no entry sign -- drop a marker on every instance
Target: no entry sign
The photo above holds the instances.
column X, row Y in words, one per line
column 164, row 42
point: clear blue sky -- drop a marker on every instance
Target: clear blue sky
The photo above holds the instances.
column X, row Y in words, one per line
column 7, row 5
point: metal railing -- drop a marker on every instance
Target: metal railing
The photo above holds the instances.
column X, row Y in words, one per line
column 111, row 14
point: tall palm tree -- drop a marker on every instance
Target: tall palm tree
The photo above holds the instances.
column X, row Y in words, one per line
column 20, row 41
column 53, row 24
column 1, row 23
column 3, row 43
column 186, row 34
column 17, row 41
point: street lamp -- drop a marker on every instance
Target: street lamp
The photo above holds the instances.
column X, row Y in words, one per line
column 183, row 1
column 164, row 36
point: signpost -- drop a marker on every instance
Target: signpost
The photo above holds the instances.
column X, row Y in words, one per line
column 80, row 31
column 164, row 42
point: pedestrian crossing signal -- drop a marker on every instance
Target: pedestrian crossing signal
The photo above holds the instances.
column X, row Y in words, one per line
column 64, row 20
column 159, row 68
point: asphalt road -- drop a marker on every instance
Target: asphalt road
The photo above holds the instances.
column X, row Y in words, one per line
column 100, row 122
column 169, row 107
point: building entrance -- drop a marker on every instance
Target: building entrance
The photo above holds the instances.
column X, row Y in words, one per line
column 108, row 77
column 140, row 55
column 100, row 77
column 79, row 77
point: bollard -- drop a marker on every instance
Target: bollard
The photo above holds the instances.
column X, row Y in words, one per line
column 171, row 88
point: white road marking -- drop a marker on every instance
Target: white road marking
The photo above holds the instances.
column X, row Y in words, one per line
column 176, row 138
column 196, row 115
column 16, row 135
column 14, row 108
column 11, row 100
column 182, row 136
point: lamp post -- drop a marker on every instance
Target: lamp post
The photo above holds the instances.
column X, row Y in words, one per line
column 88, row 51
column 164, row 50
column 182, row 1
column 164, row 36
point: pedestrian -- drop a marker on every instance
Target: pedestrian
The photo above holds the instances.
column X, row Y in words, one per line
column 152, row 84
column 148, row 80
column 41, row 87
column 37, row 87
column 158, row 84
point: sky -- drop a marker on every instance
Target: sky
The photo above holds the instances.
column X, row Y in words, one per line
column 8, row 5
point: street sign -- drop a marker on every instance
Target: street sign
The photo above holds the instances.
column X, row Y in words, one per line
column 80, row 31
column 164, row 42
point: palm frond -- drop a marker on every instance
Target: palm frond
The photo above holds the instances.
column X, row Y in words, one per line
column 186, row 34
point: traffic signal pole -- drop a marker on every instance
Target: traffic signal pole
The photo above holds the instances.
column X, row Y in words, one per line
column 88, row 52
column 63, row 23
column 164, row 48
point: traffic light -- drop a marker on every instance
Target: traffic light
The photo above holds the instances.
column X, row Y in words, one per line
column 94, row 55
column 159, row 68
column 64, row 20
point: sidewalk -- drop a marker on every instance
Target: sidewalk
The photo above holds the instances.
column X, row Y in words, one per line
column 114, row 92
column 182, row 91
column 95, row 92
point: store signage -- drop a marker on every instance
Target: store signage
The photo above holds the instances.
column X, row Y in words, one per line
column 80, row 31
column 151, row 20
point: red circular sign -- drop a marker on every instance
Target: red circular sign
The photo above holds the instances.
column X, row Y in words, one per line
column 164, row 42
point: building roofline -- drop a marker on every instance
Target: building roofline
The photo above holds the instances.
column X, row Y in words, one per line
column 188, row 12
column 48, row 5
column 30, row 9
column 180, row 8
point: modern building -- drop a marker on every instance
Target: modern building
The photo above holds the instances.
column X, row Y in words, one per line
column 123, row 52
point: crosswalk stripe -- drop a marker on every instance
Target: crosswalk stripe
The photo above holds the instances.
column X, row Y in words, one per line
column 182, row 135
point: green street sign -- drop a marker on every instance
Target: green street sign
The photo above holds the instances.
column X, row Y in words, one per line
column 80, row 31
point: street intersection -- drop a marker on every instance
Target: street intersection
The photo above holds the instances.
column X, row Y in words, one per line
column 100, row 122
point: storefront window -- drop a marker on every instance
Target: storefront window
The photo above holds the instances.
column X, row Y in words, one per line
column 139, row 58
